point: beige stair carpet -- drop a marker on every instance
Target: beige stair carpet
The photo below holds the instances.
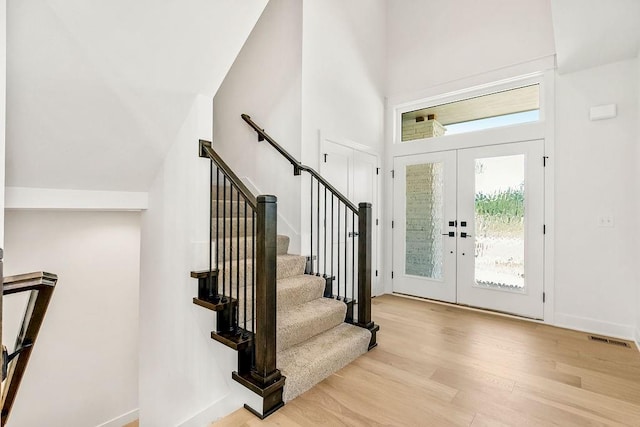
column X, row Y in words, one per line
column 313, row 342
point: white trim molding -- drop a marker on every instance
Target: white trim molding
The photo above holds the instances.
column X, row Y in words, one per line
column 60, row 199
column 123, row 419
column 584, row 324
column 637, row 338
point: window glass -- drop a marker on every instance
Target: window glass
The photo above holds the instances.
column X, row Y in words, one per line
column 509, row 107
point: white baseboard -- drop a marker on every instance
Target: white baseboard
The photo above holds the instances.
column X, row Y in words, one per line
column 584, row 324
column 122, row 419
column 233, row 401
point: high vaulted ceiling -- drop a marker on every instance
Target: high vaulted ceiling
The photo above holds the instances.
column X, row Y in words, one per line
column 589, row 33
column 97, row 90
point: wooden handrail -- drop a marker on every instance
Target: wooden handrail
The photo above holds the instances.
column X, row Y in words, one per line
column 297, row 166
column 207, row 151
column 41, row 286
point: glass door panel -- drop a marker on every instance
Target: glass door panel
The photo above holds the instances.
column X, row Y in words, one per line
column 424, row 220
column 499, row 219
column 424, row 208
column 500, row 240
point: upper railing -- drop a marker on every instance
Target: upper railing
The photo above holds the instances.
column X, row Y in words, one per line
column 40, row 285
column 298, row 166
column 334, row 225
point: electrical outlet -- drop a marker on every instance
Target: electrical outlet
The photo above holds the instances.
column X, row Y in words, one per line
column 605, row 221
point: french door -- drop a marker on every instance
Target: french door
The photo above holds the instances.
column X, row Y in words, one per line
column 468, row 227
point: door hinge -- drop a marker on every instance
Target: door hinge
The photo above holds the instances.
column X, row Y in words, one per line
column 391, row 224
column 544, row 228
column 376, row 273
column 544, row 161
column 393, row 173
column 325, row 157
column 544, row 297
column 392, row 274
column 377, row 171
column 376, row 221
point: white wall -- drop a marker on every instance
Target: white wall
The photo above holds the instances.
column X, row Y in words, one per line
column 638, row 208
column 343, row 73
column 265, row 82
column 185, row 376
column 3, row 93
column 595, row 176
column 343, row 79
column 84, row 368
column 99, row 90
column 437, row 41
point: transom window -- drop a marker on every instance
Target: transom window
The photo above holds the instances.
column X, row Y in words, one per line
column 503, row 108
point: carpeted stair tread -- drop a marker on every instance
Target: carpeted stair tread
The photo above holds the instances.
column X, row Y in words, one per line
column 311, row 361
column 286, row 266
column 307, row 320
column 230, row 247
column 296, row 290
column 292, row 291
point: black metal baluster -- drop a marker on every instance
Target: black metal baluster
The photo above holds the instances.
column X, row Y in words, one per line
column 216, row 296
column 231, row 309
column 311, row 222
column 353, row 255
column 210, row 279
column 318, row 219
column 338, row 257
column 238, row 256
column 332, row 260
column 224, row 239
column 325, row 233
column 346, row 233
column 245, row 335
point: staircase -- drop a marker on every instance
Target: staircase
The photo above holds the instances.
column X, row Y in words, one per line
column 313, row 340
column 291, row 325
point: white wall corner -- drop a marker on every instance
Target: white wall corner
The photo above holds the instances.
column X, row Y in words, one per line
column 595, row 326
column 284, row 225
column 122, row 419
column 54, row 199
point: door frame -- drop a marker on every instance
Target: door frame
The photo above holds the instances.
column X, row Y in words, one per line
column 544, row 129
column 377, row 287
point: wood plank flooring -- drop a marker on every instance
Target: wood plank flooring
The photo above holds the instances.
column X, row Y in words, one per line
column 440, row 365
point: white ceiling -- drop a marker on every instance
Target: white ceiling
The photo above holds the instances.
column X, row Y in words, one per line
column 589, row 33
column 97, row 90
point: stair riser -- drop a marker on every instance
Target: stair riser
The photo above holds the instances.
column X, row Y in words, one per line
column 286, row 267
column 308, row 288
column 291, row 334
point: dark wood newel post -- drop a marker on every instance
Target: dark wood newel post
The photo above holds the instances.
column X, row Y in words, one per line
column 266, row 375
column 364, row 271
column 265, row 338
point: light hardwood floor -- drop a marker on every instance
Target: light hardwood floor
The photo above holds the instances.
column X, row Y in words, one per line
column 439, row 365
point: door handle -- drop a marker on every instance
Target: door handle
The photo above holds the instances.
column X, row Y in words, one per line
column 465, row 235
column 450, row 234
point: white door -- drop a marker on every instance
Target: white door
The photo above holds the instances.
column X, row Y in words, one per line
column 354, row 173
column 424, row 238
column 501, row 213
column 492, row 198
